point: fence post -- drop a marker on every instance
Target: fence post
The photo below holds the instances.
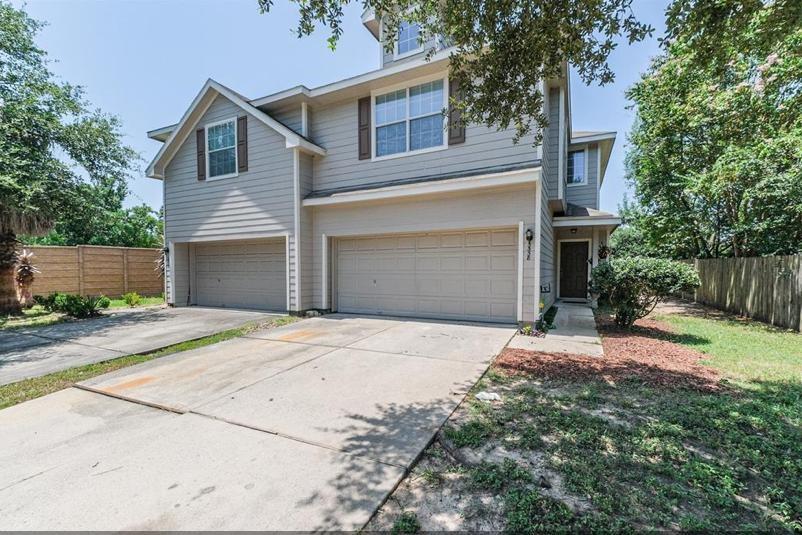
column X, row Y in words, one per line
column 125, row 271
column 80, row 256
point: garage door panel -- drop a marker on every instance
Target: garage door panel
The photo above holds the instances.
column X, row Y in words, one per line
column 241, row 274
column 456, row 275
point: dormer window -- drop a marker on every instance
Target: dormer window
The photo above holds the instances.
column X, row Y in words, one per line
column 577, row 173
column 409, row 40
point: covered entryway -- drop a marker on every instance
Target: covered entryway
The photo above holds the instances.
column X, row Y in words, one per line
column 574, row 258
column 465, row 275
column 241, row 274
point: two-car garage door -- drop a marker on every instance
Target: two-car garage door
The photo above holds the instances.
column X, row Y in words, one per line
column 454, row 275
column 241, row 274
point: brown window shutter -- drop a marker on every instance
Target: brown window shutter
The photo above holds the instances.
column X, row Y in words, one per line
column 364, row 128
column 200, row 136
column 242, row 143
column 456, row 130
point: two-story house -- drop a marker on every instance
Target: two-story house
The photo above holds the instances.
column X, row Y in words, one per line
column 359, row 196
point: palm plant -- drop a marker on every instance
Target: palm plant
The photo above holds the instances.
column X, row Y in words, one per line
column 25, row 274
column 52, row 147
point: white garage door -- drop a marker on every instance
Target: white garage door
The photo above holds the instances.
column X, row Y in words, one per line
column 242, row 274
column 467, row 275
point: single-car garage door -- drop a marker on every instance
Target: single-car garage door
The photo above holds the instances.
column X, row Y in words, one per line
column 242, row 274
column 468, row 275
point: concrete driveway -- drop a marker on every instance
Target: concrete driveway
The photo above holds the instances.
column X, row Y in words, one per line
column 35, row 351
column 304, row 427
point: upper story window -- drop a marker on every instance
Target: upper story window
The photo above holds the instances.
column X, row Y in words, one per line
column 410, row 120
column 221, row 149
column 408, row 41
column 576, row 167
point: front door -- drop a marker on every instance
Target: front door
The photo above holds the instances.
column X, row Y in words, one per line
column 574, row 269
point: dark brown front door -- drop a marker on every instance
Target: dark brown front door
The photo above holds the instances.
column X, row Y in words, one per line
column 574, row 269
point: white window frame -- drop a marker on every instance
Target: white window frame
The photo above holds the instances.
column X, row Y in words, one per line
column 206, row 149
column 421, row 44
column 585, row 176
column 406, row 86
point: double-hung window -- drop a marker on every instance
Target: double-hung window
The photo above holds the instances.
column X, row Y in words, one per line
column 576, row 167
column 410, row 119
column 409, row 39
column 221, row 149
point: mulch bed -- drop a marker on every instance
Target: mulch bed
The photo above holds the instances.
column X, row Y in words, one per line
column 644, row 354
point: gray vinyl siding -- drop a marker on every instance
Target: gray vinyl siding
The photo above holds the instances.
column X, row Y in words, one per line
column 289, row 115
column 256, row 203
column 335, row 128
column 181, row 270
column 547, row 246
column 551, row 151
column 459, row 211
column 587, row 194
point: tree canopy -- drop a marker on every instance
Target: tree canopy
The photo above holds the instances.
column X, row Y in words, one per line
column 502, row 49
column 53, row 146
column 716, row 148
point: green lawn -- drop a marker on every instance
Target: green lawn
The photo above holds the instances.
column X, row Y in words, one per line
column 588, row 454
column 745, row 350
column 39, row 386
column 36, row 316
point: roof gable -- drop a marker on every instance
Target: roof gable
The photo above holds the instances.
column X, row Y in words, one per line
column 198, row 108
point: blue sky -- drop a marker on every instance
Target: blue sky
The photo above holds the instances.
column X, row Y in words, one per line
column 144, row 61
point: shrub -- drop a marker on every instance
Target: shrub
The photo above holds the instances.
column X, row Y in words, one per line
column 73, row 305
column 634, row 285
column 48, row 302
column 407, row 522
column 132, row 299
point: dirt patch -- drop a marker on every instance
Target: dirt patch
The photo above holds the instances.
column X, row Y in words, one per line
column 645, row 353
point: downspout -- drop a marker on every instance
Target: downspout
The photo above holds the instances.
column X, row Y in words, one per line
column 296, row 179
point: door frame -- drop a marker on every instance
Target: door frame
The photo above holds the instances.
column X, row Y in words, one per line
column 559, row 267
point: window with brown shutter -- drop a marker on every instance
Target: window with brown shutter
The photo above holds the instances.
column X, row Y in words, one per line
column 242, row 143
column 363, row 128
column 456, row 130
column 200, row 137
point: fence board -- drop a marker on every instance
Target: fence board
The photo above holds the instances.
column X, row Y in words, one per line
column 767, row 288
column 93, row 270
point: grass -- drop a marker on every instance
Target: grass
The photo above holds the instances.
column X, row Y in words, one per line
column 28, row 389
column 36, row 316
column 646, row 457
column 745, row 350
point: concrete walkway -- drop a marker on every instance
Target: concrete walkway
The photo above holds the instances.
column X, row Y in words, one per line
column 574, row 333
column 304, row 427
column 34, row 351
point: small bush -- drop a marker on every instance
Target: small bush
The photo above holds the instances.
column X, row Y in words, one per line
column 48, row 302
column 132, row 299
column 634, row 285
column 407, row 522
column 73, row 305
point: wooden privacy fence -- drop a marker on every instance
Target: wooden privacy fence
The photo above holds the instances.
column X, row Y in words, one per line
column 767, row 288
column 95, row 270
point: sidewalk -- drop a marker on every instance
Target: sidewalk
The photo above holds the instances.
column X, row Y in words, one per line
column 574, row 333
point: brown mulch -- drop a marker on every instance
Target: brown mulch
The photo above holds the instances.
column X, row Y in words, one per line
column 645, row 354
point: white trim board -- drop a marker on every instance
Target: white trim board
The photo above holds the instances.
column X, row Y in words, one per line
column 584, row 221
column 206, row 151
column 525, row 176
column 520, row 276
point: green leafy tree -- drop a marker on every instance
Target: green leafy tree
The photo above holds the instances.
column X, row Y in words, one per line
column 502, row 49
column 716, row 148
column 51, row 144
column 139, row 226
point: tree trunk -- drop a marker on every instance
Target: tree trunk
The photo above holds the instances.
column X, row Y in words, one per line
column 9, row 303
